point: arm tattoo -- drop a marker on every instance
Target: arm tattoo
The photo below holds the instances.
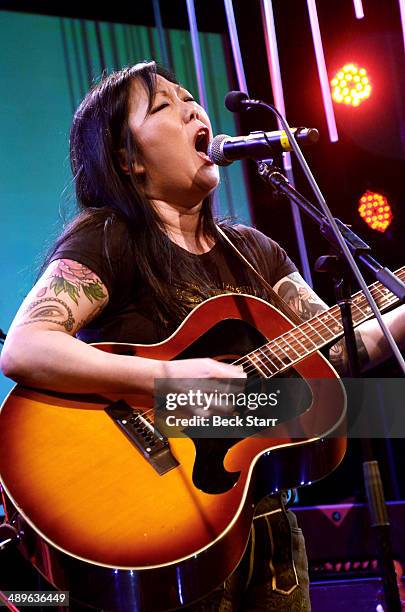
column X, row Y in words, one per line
column 299, row 296
column 51, row 310
column 83, row 322
column 72, row 277
column 339, row 358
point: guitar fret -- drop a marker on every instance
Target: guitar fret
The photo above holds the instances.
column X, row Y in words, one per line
column 380, row 291
column 334, row 318
column 364, row 314
column 308, row 337
column 288, row 348
column 279, row 349
column 326, row 327
column 339, row 326
column 297, row 340
column 367, row 308
column 266, row 357
column 316, row 331
column 285, row 353
column 381, row 300
column 274, row 355
column 354, row 305
column 384, row 301
column 256, row 366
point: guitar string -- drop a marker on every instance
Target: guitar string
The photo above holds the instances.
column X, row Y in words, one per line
column 383, row 296
column 313, row 323
column 275, row 342
column 276, row 350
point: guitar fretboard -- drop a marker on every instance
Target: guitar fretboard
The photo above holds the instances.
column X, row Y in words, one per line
column 288, row 349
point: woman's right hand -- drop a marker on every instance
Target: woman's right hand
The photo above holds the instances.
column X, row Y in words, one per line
column 203, row 379
column 201, row 368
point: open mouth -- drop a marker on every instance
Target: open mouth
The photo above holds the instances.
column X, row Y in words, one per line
column 201, row 143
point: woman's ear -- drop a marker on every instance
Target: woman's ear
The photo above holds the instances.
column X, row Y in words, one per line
column 137, row 166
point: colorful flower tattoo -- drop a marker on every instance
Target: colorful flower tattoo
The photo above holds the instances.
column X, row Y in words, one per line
column 71, row 277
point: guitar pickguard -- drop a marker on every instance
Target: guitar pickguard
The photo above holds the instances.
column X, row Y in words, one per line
column 232, row 338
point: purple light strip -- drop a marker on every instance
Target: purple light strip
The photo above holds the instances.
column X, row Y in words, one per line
column 278, row 95
column 358, row 9
column 161, row 33
column 322, row 72
column 233, row 35
column 197, row 53
column 273, row 59
column 402, row 11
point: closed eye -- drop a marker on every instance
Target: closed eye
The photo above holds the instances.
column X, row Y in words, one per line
column 158, row 108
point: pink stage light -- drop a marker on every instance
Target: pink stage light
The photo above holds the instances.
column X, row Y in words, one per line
column 358, row 9
column 323, row 74
column 402, row 13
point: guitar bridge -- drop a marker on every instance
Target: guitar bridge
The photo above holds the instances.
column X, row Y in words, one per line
column 142, row 433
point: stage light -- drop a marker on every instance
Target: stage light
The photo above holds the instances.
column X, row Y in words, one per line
column 375, row 210
column 350, row 85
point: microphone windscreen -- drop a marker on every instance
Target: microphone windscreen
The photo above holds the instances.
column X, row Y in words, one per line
column 234, row 99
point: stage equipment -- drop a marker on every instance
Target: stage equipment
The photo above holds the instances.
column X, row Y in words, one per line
column 341, row 534
column 375, row 210
column 223, row 149
column 322, row 71
column 358, row 9
column 347, row 246
column 351, row 85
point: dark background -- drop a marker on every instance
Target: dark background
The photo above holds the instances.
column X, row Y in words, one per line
column 369, row 154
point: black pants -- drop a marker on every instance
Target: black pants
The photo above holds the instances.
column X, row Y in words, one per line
column 273, row 573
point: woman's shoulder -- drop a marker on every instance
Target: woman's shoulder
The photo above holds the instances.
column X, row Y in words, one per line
column 99, row 240
column 248, row 233
column 92, row 230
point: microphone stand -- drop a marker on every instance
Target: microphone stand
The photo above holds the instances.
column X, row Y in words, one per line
column 340, row 235
column 336, row 264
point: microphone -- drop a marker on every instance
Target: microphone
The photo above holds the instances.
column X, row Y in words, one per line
column 237, row 101
column 223, row 149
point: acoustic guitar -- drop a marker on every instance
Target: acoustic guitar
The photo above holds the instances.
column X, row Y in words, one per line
column 127, row 519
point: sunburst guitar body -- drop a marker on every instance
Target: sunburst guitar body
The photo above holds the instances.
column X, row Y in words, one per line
column 123, row 528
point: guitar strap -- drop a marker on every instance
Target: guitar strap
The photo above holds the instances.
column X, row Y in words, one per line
column 276, row 520
column 278, row 301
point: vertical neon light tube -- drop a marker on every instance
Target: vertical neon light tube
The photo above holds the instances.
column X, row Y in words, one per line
column 197, row 53
column 233, row 35
column 323, row 75
column 402, row 11
column 160, row 31
column 358, row 9
column 278, row 95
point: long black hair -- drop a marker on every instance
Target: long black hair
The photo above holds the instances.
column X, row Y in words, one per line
column 107, row 193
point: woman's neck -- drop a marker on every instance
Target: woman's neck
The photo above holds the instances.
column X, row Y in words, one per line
column 181, row 225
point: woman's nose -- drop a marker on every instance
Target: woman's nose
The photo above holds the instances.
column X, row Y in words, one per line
column 191, row 113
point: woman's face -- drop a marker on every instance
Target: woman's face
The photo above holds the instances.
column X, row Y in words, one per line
column 172, row 140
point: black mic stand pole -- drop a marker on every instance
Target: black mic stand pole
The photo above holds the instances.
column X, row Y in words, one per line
column 336, row 264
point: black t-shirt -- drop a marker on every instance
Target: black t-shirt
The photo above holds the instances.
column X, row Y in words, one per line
column 129, row 315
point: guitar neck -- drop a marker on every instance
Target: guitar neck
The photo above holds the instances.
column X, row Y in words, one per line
column 285, row 351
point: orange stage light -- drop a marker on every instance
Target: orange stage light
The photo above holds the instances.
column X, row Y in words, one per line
column 350, row 85
column 375, row 210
